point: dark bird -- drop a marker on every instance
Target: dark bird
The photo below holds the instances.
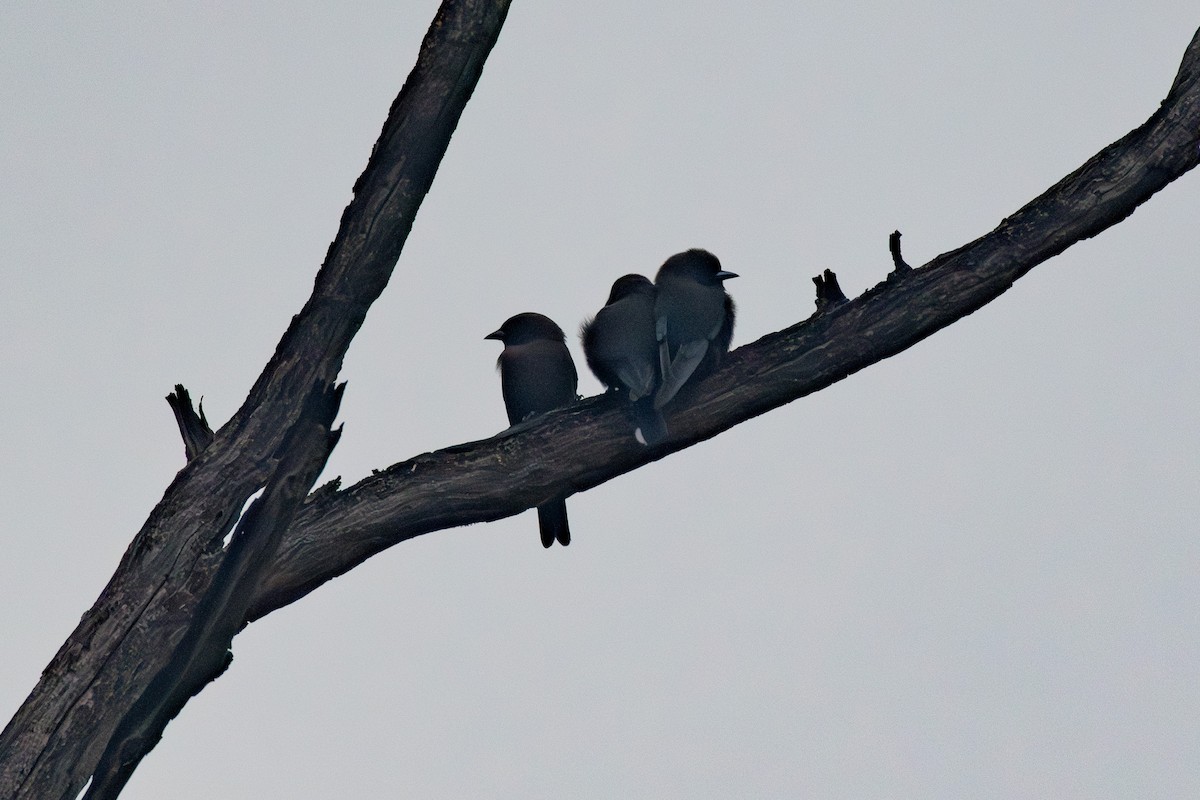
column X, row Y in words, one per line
column 693, row 319
column 622, row 351
column 537, row 375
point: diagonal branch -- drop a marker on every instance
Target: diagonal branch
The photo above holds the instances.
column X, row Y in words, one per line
column 55, row 741
column 586, row 444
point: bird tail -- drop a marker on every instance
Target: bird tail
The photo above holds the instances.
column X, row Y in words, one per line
column 552, row 523
column 651, row 427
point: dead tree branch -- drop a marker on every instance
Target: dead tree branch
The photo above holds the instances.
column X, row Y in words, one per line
column 193, row 427
column 586, row 444
column 145, row 614
column 204, row 652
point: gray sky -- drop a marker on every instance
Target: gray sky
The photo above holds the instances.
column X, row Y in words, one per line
column 968, row 571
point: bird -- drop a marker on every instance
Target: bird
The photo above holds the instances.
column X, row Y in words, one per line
column 537, row 374
column 622, row 351
column 693, row 319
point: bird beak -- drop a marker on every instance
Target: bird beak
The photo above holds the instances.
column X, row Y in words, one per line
column 724, row 276
column 497, row 335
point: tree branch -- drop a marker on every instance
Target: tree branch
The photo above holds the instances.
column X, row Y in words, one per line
column 204, row 652
column 586, row 444
column 58, row 736
column 829, row 291
column 193, row 427
column 899, row 265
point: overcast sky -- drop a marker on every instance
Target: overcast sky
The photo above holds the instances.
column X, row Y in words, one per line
column 971, row 570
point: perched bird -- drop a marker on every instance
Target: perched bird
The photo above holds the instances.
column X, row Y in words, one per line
column 537, row 375
column 693, row 319
column 622, row 350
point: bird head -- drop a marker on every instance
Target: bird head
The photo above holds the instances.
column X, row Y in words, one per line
column 697, row 265
column 627, row 285
column 527, row 327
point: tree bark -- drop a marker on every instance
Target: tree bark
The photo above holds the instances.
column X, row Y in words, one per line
column 193, row 427
column 130, row 636
column 203, row 653
column 143, row 637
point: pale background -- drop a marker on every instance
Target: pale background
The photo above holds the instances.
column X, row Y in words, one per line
column 969, row 571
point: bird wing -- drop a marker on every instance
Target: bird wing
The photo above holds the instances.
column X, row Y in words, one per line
column 637, row 376
column 677, row 370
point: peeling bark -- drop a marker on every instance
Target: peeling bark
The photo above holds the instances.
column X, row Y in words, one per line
column 204, row 652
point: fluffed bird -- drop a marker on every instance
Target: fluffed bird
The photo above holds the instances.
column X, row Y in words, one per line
column 693, row 319
column 622, row 350
column 537, row 375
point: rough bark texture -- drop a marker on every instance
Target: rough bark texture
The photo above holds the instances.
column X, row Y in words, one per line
column 154, row 620
column 203, row 653
column 56, row 740
column 193, row 427
column 579, row 447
